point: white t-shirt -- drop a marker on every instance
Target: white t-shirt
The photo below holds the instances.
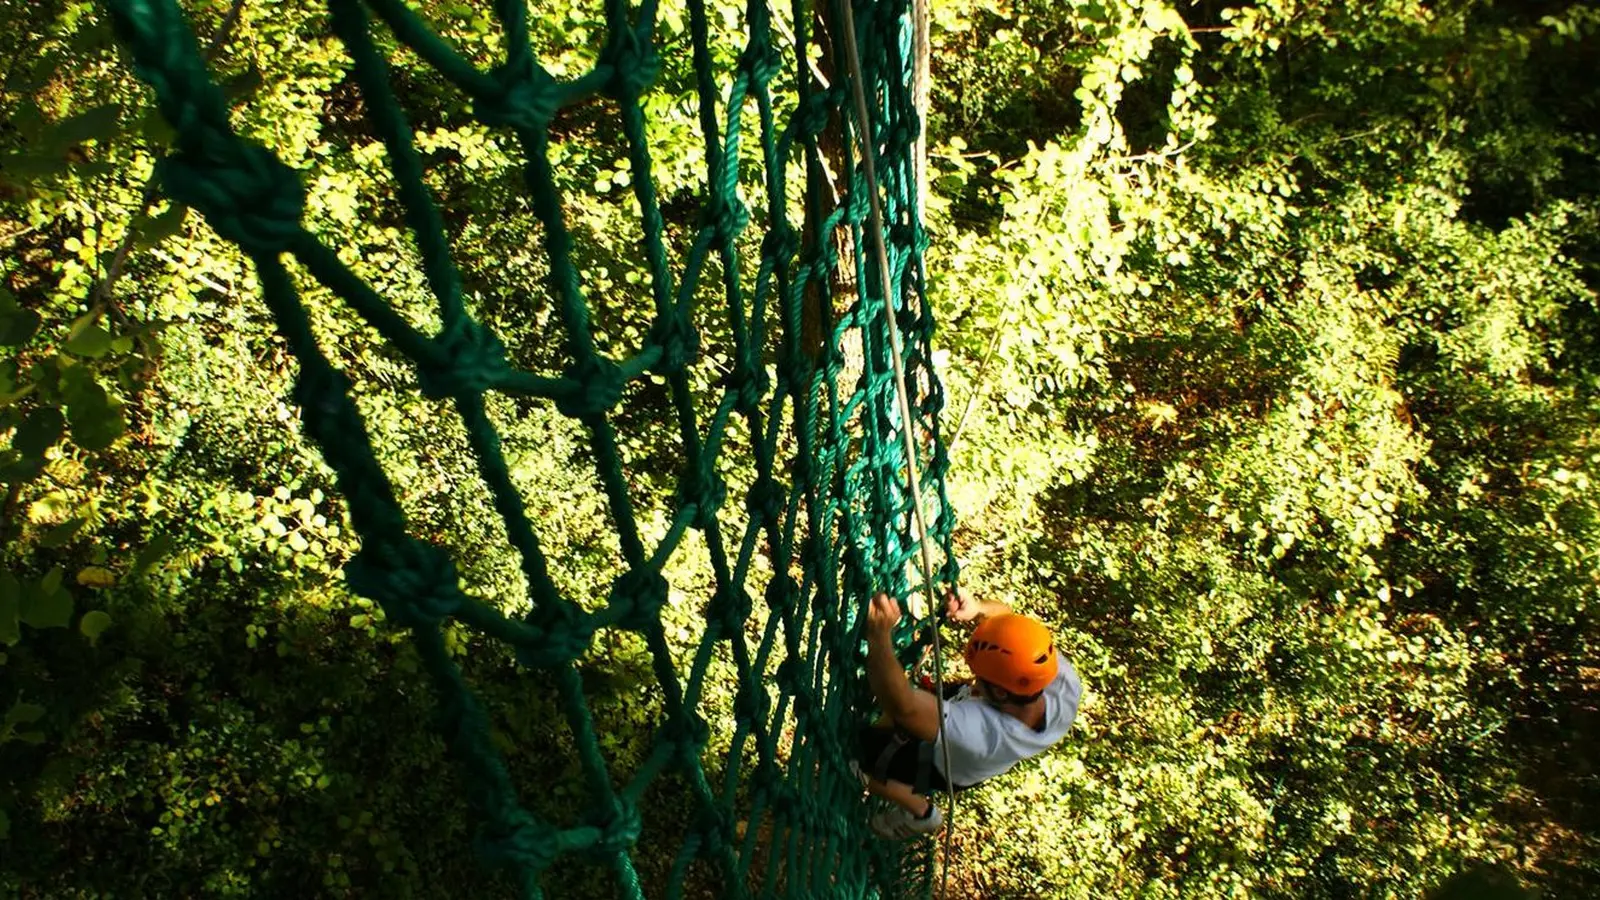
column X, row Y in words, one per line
column 985, row 742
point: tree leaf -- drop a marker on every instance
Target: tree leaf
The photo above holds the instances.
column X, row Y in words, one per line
column 243, row 85
column 97, row 577
column 21, row 471
column 39, row 431
column 10, row 609
column 23, row 169
column 89, row 340
column 98, row 429
column 61, row 534
column 17, row 327
column 53, row 610
column 95, row 37
column 24, row 714
column 77, row 383
column 156, row 129
column 169, row 224
column 159, row 547
column 32, row 79
column 94, row 623
column 97, row 124
column 47, row 605
column 95, row 420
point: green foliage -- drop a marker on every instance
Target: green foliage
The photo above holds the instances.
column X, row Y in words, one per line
column 1289, row 425
column 1285, row 423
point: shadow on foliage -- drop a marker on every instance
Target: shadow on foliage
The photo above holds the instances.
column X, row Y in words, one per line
column 249, row 740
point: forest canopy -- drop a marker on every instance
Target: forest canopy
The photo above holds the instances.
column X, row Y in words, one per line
column 1270, row 338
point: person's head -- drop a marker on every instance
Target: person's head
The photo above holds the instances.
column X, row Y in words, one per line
column 1013, row 657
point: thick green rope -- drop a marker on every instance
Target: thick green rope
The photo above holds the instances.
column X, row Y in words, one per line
column 830, row 486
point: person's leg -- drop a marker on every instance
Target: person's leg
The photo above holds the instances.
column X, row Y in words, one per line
column 889, row 768
column 901, row 794
column 907, row 815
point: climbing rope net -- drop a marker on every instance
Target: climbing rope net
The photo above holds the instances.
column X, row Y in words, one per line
column 829, row 503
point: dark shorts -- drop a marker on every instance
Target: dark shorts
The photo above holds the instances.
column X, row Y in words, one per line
column 904, row 761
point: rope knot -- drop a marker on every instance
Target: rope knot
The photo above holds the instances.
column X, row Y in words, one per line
column 790, row 679
column 247, row 194
column 561, row 633
column 749, row 383
column 678, row 340
column 815, row 556
column 899, row 139
column 634, row 63
column 528, row 97
column 704, row 488
column 746, row 710
column 599, row 387
column 800, row 471
column 619, row 831
column 764, row 503
column 783, row 592
column 323, row 393
column 521, row 843
column 718, row 830
column 856, row 582
column 784, row 798
column 802, row 709
column 730, row 609
column 792, row 374
column 761, row 60
column 637, row 598
column 469, row 360
column 415, row 582
column 901, row 234
column 686, row 733
column 729, row 216
column 780, row 243
column 811, row 118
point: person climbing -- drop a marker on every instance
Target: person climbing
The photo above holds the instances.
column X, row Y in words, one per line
column 1020, row 702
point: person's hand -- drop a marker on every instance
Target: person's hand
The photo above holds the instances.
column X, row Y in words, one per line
column 883, row 614
column 959, row 606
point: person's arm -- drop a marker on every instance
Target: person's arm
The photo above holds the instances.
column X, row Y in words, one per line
column 915, row 712
column 959, row 606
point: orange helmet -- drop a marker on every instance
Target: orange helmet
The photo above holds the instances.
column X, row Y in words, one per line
column 1014, row 652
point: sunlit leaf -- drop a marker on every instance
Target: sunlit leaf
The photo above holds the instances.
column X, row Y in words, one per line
column 94, row 623
column 89, row 340
column 97, row 577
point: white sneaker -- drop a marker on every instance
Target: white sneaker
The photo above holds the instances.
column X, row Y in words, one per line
column 897, row 823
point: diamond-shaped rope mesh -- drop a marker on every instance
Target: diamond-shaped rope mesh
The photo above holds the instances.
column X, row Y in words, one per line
column 827, row 507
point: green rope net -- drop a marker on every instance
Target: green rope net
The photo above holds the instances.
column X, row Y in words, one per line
column 781, row 815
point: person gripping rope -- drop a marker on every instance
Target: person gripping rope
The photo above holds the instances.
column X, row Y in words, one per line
column 1021, row 701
